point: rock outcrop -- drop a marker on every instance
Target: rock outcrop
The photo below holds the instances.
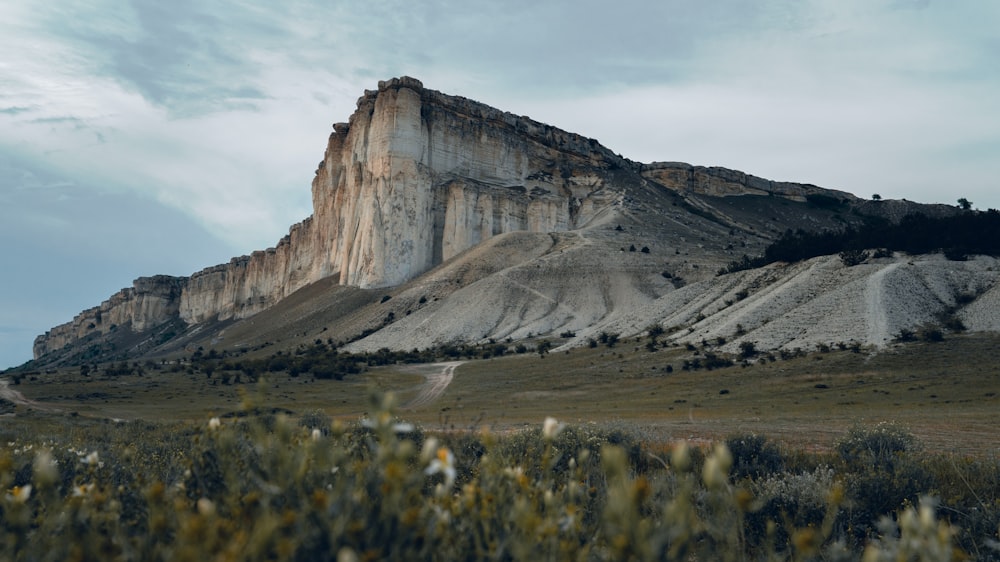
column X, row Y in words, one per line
column 414, row 178
column 150, row 301
column 723, row 182
column 417, row 177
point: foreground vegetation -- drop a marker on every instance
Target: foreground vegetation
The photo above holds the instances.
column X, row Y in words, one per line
column 272, row 487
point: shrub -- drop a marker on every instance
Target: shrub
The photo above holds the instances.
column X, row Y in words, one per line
column 753, row 456
column 791, row 501
column 851, row 258
column 882, row 474
column 930, row 333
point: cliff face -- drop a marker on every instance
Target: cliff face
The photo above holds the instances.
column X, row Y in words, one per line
column 414, row 178
column 150, row 301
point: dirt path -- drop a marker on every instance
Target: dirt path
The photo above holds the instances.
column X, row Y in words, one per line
column 435, row 384
column 11, row 395
column 878, row 324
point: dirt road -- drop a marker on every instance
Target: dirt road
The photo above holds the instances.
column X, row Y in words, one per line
column 11, row 395
column 435, row 383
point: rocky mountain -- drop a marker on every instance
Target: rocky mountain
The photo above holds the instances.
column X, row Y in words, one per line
column 439, row 219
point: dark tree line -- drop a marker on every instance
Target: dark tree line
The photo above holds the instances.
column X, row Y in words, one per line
column 956, row 236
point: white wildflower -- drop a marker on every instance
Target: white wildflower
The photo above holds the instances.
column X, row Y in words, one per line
column 429, row 450
column 402, row 427
column 206, row 507
column 214, row 423
column 19, row 494
column 444, row 464
column 383, row 421
column 82, row 490
column 92, row 459
column 45, row 468
column 551, row 428
column 316, row 434
column 345, row 554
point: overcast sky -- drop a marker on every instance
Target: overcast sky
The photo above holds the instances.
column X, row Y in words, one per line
column 151, row 137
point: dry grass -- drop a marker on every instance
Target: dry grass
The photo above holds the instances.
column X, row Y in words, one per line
column 946, row 393
column 947, row 398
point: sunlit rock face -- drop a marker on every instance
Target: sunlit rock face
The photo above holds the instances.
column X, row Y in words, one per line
column 414, row 178
column 417, row 177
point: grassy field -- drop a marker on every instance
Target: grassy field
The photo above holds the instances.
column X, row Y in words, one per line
column 946, row 393
column 617, row 482
column 947, row 398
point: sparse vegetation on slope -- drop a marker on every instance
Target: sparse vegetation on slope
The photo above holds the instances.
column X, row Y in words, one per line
column 958, row 236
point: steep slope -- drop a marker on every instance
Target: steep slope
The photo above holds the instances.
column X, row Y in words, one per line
column 824, row 302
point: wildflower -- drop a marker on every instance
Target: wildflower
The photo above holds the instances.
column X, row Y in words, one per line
column 206, row 507
column 345, row 554
column 45, row 468
column 316, row 434
column 551, row 428
column 443, row 464
column 214, row 423
column 19, row 494
column 429, row 449
column 716, row 470
column 82, row 490
column 92, row 459
column 680, row 457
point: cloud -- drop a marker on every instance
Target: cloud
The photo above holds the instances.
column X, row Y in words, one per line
column 176, row 55
column 215, row 114
column 68, row 246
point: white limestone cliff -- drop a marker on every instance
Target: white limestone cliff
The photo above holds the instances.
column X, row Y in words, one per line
column 414, row 178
